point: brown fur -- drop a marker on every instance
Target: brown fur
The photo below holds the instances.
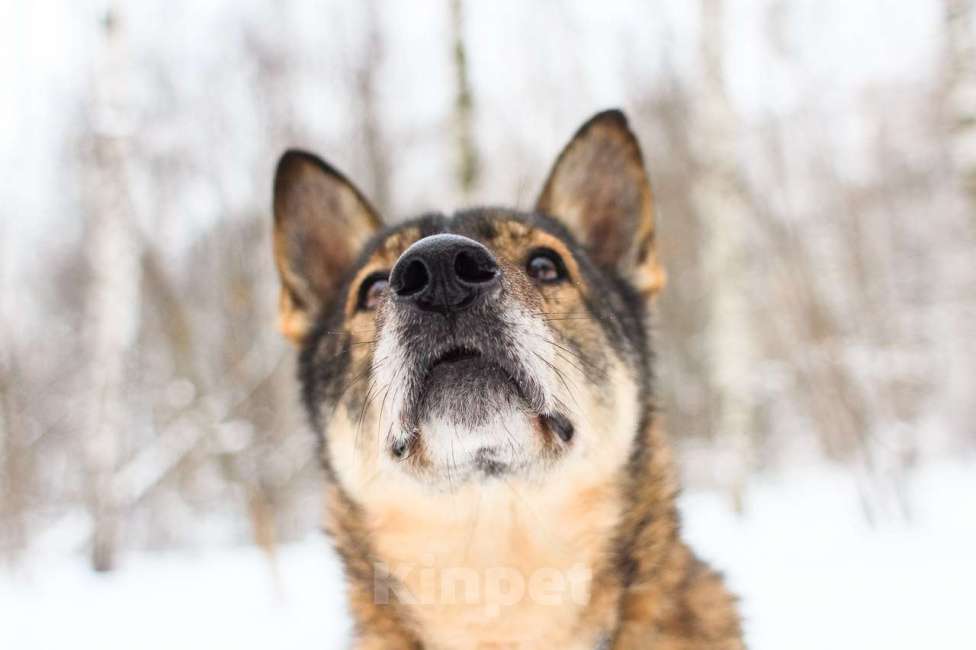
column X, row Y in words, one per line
column 595, row 532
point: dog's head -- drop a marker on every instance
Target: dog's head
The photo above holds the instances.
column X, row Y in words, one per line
column 492, row 343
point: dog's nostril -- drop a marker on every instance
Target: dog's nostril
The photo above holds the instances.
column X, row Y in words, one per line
column 413, row 279
column 474, row 267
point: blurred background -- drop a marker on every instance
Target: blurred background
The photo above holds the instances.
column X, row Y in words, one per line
column 814, row 165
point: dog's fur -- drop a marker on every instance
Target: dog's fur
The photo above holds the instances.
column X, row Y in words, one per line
column 523, row 498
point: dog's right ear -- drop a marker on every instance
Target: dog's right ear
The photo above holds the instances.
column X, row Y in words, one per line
column 321, row 222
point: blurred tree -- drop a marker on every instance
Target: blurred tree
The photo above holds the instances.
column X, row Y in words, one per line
column 15, row 465
column 960, row 45
column 376, row 149
column 721, row 200
column 113, row 299
column 959, row 79
column 468, row 166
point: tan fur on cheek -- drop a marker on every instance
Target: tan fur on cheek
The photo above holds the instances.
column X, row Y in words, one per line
column 355, row 448
column 292, row 323
column 649, row 277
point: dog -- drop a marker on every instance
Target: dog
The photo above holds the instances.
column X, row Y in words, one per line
column 482, row 389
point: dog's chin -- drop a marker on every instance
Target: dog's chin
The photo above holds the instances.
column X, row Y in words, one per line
column 501, row 444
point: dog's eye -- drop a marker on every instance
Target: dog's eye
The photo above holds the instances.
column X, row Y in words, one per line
column 545, row 266
column 372, row 289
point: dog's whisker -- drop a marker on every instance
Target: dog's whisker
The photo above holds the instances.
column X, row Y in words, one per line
column 560, row 375
column 362, row 413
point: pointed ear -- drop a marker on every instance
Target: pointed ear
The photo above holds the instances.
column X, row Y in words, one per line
column 599, row 189
column 321, row 222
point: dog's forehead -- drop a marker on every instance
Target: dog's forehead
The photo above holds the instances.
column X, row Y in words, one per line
column 506, row 232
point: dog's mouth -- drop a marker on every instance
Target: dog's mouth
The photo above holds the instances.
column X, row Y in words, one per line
column 466, row 367
column 458, row 355
column 467, row 385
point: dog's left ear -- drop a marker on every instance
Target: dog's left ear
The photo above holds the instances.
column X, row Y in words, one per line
column 321, row 222
column 599, row 189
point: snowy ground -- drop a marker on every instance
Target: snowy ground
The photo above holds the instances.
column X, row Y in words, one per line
column 811, row 572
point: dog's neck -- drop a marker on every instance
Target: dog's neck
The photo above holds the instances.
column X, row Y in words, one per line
column 492, row 564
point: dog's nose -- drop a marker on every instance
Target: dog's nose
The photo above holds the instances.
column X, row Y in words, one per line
column 444, row 273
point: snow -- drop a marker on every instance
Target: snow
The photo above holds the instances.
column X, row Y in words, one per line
column 213, row 599
column 809, row 568
column 813, row 573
